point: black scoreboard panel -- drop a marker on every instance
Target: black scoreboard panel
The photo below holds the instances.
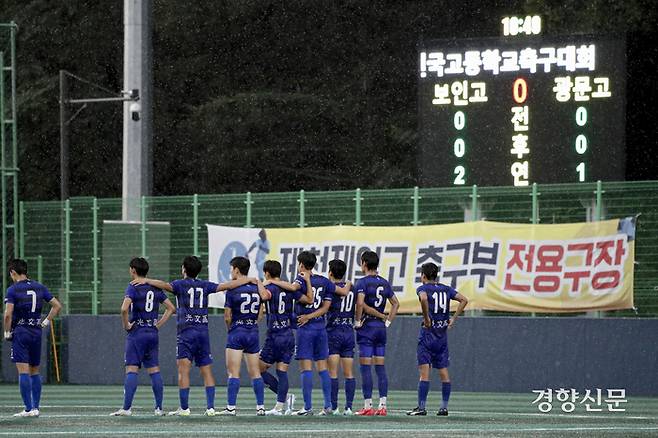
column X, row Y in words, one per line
column 513, row 111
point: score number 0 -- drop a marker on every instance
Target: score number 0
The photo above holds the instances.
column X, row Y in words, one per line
column 459, row 148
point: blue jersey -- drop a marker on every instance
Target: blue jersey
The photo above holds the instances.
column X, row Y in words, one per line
column 376, row 291
column 323, row 290
column 192, row 302
column 244, row 302
column 279, row 308
column 145, row 305
column 28, row 297
column 438, row 301
column 341, row 312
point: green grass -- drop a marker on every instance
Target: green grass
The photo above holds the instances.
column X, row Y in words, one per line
column 70, row 410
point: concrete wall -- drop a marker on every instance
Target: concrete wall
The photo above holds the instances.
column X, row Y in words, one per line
column 487, row 353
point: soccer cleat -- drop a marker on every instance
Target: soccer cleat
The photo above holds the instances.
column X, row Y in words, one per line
column 335, row 412
column 366, row 412
column 158, row 412
column 35, row 412
column 443, row 412
column 326, row 412
column 25, row 414
column 417, row 411
column 274, row 411
column 121, row 413
column 227, row 412
column 260, row 412
column 304, row 412
column 180, row 412
column 381, row 412
column 348, row 412
column 210, row 412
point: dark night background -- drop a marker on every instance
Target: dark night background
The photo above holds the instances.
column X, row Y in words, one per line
column 278, row 95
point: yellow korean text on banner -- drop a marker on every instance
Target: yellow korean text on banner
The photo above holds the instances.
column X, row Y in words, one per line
column 498, row 266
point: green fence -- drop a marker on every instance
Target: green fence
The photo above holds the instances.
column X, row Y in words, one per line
column 81, row 252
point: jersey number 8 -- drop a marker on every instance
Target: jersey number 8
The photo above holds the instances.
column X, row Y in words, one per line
column 148, row 306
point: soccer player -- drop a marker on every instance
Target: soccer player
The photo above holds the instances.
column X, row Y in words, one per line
column 433, row 338
column 192, row 340
column 372, row 293
column 312, row 342
column 143, row 302
column 22, row 325
column 340, row 331
column 279, row 345
column 241, row 316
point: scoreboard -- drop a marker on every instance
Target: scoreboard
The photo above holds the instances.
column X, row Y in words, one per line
column 521, row 108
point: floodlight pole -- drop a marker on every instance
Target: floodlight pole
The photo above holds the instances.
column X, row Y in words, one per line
column 137, row 130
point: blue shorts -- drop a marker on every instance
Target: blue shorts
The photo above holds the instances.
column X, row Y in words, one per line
column 245, row 339
column 433, row 349
column 194, row 345
column 312, row 343
column 341, row 341
column 279, row 347
column 26, row 347
column 372, row 341
column 142, row 348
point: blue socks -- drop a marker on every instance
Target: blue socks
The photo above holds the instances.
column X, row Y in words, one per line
column 129, row 388
column 36, row 390
column 423, row 390
column 25, row 384
column 232, row 391
column 366, row 381
column 158, row 389
column 259, row 390
column 307, row 389
column 270, row 381
column 445, row 394
column 282, row 392
column 326, row 388
column 350, row 388
column 382, row 380
column 334, row 393
column 210, row 397
column 184, row 395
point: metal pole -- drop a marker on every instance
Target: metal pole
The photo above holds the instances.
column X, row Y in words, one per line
column 14, row 131
column 598, row 212
column 40, row 269
column 94, row 258
column 67, row 253
column 137, row 126
column 416, row 198
column 195, row 224
column 535, row 204
column 357, row 207
column 474, row 202
column 21, row 229
column 142, row 208
column 2, row 176
column 63, row 137
column 248, row 203
column 302, row 213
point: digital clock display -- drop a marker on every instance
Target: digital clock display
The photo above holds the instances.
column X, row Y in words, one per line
column 513, row 111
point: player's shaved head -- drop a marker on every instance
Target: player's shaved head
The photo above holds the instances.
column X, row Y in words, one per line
column 430, row 271
column 140, row 265
column 371, row 259
column 18, row 265
column 273, row 268
column 241, row 263
column 337, row 268
column 307, row 259
column 192, row 266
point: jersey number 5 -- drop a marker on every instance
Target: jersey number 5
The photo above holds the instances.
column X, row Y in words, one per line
column 380, row 297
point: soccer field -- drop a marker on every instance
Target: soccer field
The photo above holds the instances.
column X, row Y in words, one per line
column 83, row 410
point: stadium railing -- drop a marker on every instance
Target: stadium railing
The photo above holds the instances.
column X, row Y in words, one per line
column 81, row 248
